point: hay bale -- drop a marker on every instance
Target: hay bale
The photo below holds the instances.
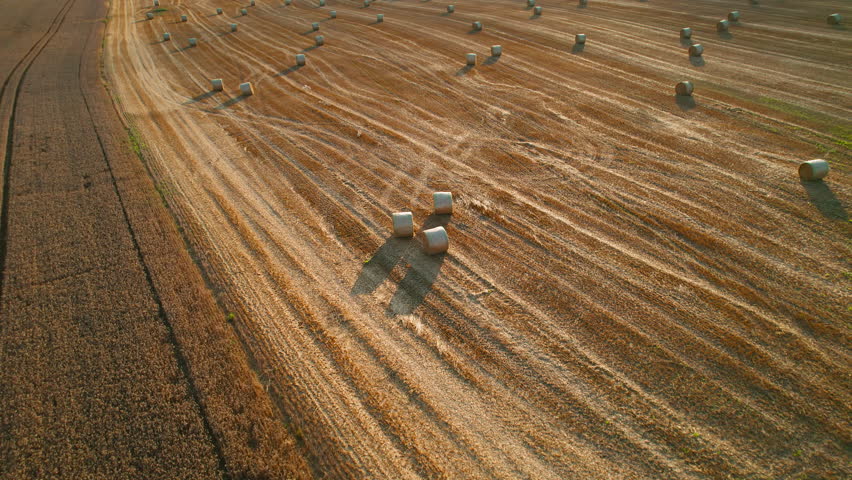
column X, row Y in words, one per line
column 434, row 240
column 246, row 89
column 366, row 3
column 496, row 50
column 471, row 59
column 321, row 3
column 332, row 14
column 403, row 224
column 149, row 16
column 251, row 3
column 300, row 60
column 380, row 18
column 320, row 40
column 684, row 89
column 218, row 11
column 193, row 42
column 834, row 19
column 288, row 2
column 530, row 3
column 696, row 50
column 722, row 26
column 217, row 84
column 537, row 10
column 243, row 11
column 686, row 32
column 183, row 18
column 233, row 27
column 443, row 201
column 734, row 16
column 583, row 3
column 451, row 8
column 167, row 36
column 156, row 3
column 813, row 170
column 580, row 39
column 477, row 26
column 315, row 26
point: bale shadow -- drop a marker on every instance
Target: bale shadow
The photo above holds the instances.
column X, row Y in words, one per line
column 308, row 49
column 473, row 31
column 724, row 35
column 685, row 102
column 446, row 14
column 685, row 42
column 578, row 48
column 231, row 102
column 840, row 27
column 534, row 17
column 582, row 6
column 378, row 267
column 820, row 194
column 310, row 32
column 288, row 71
column 418, row 281
column 463, row 71
column 696, row 61
column 491, row 60
column 203, row 96
column 375, row 22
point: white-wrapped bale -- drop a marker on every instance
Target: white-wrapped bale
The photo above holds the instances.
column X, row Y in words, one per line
column 686, row 32
column 580, row 38
column 734, row 16
column 233, row 27
column 471, row 59
column 149, row 16
column 300, row 60
column 477, row 26
column 167, row 36
column 246, row 89
column 443, row 201
column 315, row 26
column 434, row 240
column 684, row 88
column 219, row 11
column 696, row 50
column 835, row 19
column 183, row 18
column 332, row 14
column 380, row 18
column 218, row 86
column 722, row 26
column 537, row 10
column 496, row 50
column 193, row 42
column 451, row 8
column 403, row 224
column 813, row 170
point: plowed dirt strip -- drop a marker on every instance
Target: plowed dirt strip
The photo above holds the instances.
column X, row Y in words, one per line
column 116, row 361
column 638, row 285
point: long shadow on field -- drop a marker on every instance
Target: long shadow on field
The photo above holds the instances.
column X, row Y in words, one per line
column 288, row 71
column 696, row 61
column 686, row 42
column 463, row 71
column 422, row 270
column 203, row 96
column 578, row 48
column 825, row 200
column 685, row 102
column 491, row 60
column 230, row 102
column 725, row 35
column 312, row 47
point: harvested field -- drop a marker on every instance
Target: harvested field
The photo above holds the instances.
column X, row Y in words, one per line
column 116, row 361
column 637, row 284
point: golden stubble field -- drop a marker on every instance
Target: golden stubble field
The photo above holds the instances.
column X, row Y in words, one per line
column 637, row 286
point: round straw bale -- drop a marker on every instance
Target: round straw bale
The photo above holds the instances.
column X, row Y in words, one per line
column 149, row 16
column 684, row 88
column 696, row 50
column 722, row 26
column 530, row 3
column 496, row 50
column 583, row 3
column 477, row 26
column 156, row 3
column 251, row 3
column 813, row 170
column 471, row 59
column 246, row 89
column 243, row 11
column 835, row 19
column 403, row 224
column 537, row 10
column 451, row 8
column 434, row 240
column 380, row 18
column 321, row 3
column 332, row 14
column 580, row 38
column 734, row 16
column 218, row 86
column 288, row 2
column 233, row 27
column 300, row 59
column 315, row 26
column 320, row 40
column 686, row 32
column 167, row 36
column 443, row 201
column 183, row 18
column 193, row 42
column 218, row 11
